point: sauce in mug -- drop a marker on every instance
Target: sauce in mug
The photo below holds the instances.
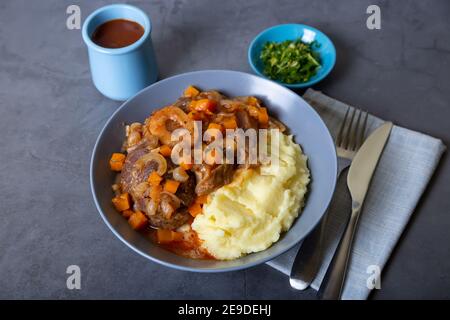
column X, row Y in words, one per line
column 117, row 33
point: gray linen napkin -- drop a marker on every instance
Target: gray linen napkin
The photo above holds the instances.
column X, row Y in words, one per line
column 406, row 166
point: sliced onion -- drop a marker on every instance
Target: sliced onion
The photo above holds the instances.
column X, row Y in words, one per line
column 229, row 105
column 151, row 141
column 168, row 206
column 175, row 200
column 145, row 160
column 140, row 189
column 167, row 209
column 134, row 138
column 180, row 175
column 151, row 207
column 131, row 149
column 135, row 126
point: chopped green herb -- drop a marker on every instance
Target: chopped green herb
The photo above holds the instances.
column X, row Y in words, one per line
column 290, row 61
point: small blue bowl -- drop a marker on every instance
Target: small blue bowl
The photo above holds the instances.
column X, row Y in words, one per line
column 283, row 32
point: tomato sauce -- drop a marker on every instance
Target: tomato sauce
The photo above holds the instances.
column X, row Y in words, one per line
column 189, row 247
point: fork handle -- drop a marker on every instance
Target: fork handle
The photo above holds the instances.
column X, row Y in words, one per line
column 309, row 256
column 333, row 282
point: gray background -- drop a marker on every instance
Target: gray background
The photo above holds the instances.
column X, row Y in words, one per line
column 50, row 116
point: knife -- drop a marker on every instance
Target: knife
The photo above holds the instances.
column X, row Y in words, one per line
column 358, row 181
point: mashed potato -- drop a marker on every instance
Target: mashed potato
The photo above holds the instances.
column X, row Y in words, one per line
column 249, row 214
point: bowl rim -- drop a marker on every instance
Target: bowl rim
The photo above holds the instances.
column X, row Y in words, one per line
column 290, row 85
column 206, row 270
column 116, row 51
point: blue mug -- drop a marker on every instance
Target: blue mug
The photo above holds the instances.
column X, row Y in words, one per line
column 119, row 73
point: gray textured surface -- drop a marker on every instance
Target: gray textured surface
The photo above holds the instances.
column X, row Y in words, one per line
column 50, row 116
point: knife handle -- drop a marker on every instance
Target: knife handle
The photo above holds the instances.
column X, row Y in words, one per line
column 333, row 282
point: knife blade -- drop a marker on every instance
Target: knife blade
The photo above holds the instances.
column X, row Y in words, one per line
column 358, row 181
column 365, row 162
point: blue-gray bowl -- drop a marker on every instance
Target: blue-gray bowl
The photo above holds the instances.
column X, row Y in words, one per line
column 309, row 130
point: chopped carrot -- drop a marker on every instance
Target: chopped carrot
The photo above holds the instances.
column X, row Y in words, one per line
column 155, row 193
column 203, row 105
column 165, row 150
column 122, row 202
column 186, row 166
column 230, row 123
column 164, row 236
column 195, row 209
column 116, row 162
column 192, row 106
column 201, row 199
column 191, row 91
column 154, row 179
column 207, row 105
column 138, row 220
column 252, row 101
column 171, row 186
column 177, row 236
column 167, row 236
column 263, row 117
column 127, row 214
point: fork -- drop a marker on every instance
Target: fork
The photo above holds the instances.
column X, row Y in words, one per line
column 349, row 139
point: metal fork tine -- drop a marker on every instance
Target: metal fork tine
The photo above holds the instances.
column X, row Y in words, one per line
column 349, row 130
column 362, row 131
column 341, row 128
column 355, row 132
